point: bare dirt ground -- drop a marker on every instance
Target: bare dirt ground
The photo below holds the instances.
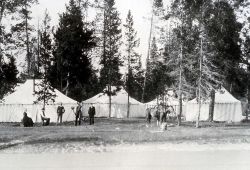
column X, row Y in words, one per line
column 125, row 144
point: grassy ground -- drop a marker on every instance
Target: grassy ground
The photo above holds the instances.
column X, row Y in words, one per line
column 127, row 143
column 115, row 131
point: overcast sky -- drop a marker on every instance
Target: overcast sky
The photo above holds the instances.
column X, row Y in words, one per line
column 140, row 10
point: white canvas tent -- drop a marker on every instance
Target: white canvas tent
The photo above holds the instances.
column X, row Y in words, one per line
column 14, row 104
column 118, row 105
column 169, row 99
column 226, row 108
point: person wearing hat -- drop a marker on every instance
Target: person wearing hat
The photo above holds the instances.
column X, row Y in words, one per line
column 78, row 114
column 91, row 113
column 45, row 120
column 60, row 111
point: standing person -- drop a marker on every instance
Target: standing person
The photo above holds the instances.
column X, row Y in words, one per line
column 148, row 116
column 78, row 114
column 60, row 111
column 91, row 113
column 164, row 121
column 157, row 116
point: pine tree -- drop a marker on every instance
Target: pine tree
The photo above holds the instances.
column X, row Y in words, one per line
column 223, row 31
column 110, row 59
column 132, row 57
column 156, row 14
column 45, row 90
column 203, row 43
column 8, row 77
column 158, row 78
column 72, row 68
column 22, row 31
column 8, row 70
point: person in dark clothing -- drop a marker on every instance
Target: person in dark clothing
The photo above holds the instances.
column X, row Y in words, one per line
column 164, row 117
column 91, row 113
column 78, row 114
column 148, row 115
column 27, row 121
column 60, row 111
column 157, row 116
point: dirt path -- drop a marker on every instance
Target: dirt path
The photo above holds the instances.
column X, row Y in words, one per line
column 130, row 160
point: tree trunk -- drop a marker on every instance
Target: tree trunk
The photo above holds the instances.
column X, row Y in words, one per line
column 128, row 111
column 67, row 86
column 128, row 89
column 199, row 88
column 109, row 92
column 1, row 33
column 211, row 105
column 180, row 90
column 147, row 60
column 38, row 49
column 200, row 75
column 248, row 89
column 27, row 41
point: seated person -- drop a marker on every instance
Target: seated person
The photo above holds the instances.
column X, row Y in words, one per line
column 27, row 121
column 44, row 119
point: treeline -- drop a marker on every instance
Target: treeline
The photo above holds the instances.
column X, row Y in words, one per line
column 195, row 47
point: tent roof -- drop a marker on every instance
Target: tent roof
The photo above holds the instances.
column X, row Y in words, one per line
column 120, row 98
column 24, row 94
column 170, row 97
column 171, row 101
column 221, row 96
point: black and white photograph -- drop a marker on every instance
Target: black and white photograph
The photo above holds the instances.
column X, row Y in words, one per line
column 125, row 84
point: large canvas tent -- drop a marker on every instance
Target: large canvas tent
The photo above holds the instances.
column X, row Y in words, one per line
column 118, row 105
column 226, row 108
column 168, row 99
column 23, row 97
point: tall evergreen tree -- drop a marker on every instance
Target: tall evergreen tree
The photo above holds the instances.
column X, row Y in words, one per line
column 8, row 77
column 22, row 31
column 223, row 30
column 156, row 13
column 8, row 70
column 72, row 68
column 158, row 78
column 45, row 90
column 111, row 57
column 132, row 58
column 204, row 36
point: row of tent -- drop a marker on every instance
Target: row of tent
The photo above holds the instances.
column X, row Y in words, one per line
column 227, row 108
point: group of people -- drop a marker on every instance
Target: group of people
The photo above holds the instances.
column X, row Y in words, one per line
column 28, row 122
column 79, row 114
column 160, row 113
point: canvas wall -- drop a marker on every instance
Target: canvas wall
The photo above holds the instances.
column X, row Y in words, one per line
column 117, row 110
column 14, row 112
column 229, row 112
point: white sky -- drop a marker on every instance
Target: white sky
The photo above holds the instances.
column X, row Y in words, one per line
column 140, row 10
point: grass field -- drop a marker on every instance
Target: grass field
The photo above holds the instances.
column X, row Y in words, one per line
column 116, row 132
